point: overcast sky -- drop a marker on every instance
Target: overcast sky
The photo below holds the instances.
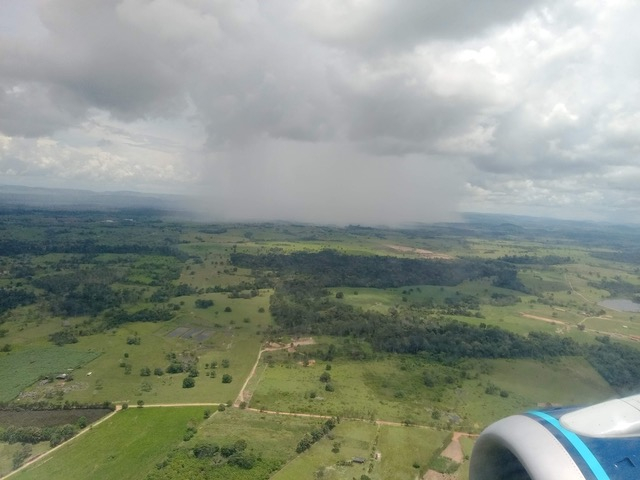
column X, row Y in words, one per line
column 360, row 111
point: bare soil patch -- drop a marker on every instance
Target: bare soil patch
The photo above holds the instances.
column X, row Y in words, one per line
column 454, row 450
column 433, row 475
column 542, row 319
column 420, row 252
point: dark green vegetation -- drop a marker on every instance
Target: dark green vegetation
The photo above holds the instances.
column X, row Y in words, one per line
column 449, row 326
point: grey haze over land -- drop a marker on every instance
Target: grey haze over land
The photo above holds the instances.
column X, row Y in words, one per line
column 361, row 111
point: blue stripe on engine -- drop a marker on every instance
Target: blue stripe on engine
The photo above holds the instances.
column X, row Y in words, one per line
column 578, row 444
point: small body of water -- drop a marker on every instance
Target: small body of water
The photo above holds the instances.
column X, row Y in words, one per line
column 620, row 304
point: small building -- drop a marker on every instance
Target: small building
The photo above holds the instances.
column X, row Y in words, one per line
column 358, row 460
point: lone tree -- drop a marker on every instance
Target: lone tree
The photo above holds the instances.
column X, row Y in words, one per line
column 188, row 382
column 226, row 378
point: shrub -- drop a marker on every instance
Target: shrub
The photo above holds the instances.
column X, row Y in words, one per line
column 188, row 382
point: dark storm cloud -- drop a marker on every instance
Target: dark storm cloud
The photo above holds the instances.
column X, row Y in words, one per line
column 90, row 58
column 300, row 106
column 389, row 25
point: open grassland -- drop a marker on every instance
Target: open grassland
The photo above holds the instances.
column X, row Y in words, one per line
column 125, row 447
column 270, row 439
column 7, row 451
column 352, row 439
column 231, row 337
column 22, row 368
column 387, row 452
column 393, row 389
column 405, row 451
column 467, row 447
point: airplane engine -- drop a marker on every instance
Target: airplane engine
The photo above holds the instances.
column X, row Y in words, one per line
column 597, row 442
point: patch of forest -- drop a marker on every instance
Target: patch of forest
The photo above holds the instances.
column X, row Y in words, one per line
column 331, row 268
column 536, row 260
column 301, row 307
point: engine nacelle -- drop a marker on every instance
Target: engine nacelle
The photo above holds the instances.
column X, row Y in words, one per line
column 599, row 442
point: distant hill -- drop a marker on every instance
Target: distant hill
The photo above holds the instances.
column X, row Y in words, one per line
column 19, row 196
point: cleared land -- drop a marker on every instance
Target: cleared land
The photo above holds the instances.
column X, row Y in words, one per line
column 125, row 447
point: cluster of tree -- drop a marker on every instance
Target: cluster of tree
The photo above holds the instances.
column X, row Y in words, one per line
column 262, row 280
column 331, row 268
column 54, row 435
column 85, row 292
column 630, row 255
column 13, row 297
column 619, row 364
column 535, row 260
column 13, row 247
column 312, row 313
column 213, row 230
column 115, row 317
column 302, row 307
column 21, row 455
column 503, row 299
column 616, row 287
column 204, row 303
column 168, row 291
column 63, row 337
column 44, row 405
column 235, row 454
column 316, row 434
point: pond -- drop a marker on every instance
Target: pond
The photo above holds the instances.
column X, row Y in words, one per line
column 620, row 304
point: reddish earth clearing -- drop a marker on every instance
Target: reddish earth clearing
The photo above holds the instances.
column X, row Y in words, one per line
column 420, row 252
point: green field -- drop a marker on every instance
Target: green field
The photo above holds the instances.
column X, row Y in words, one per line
column 392, row 389
column 21, row 368
column 125, row 447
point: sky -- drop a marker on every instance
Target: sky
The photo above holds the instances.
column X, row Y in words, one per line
column 333, row 111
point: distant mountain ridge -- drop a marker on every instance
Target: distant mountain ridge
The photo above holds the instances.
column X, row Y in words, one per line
column 40, row 197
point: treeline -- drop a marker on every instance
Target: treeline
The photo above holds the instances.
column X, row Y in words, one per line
column 535, row 260
column 616, row 287
column 300, row 307
column 303, row 308
column 44, row 405
column 12, row 247
column 330, row 268
column 14, row 297
column 316, row 434
column 54, row 435
column 629, row 255
column 618, row 364
column 117, row 317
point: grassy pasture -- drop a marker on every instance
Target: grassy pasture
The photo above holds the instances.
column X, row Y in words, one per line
column 271, row 438
column 21, row 368
column 403, row 447
column 231, row 339
column 8, row 450
column 467, row 447
column 356, row 439
column 392, row 389
column 390, row 453
column 125, row 447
